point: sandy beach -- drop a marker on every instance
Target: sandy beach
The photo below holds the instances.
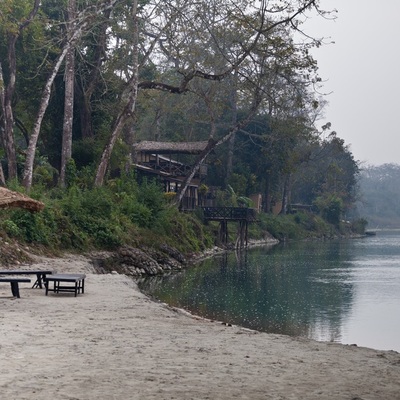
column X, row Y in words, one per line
column 112, row 342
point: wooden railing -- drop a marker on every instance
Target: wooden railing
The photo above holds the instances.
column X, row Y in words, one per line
column 229, row 214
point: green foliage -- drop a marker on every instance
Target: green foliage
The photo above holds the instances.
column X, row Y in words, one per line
column 28, row 226
column 282, row 227
column 122, row 212
column 173, row 223
column 139, row 214
column 359, row 225
column 331, row 208
column 306, row 220
column 11, row 228
column 151, row 195
column 45, row 175
column 329, row 171
column 91, row 211
column 229, row 198
column 238, row 184
column 85, row 152
column 301, row 225
column 313, row 225
column 71, row 173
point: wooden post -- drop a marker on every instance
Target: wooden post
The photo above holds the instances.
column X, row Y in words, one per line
column 223, row 231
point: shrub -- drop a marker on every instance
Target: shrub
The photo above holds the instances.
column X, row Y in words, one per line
column 331, row 208
column 359, row 226
column 29, row 227
column 281, row 227
column 141, row 215
column 11, row 228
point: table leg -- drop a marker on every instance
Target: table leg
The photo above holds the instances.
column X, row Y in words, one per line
column 39, row 279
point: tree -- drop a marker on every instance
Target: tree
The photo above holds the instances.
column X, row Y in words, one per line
column 15, row 16
column 82, row 23
column 66, row 151
column 329, row 178
column 380, row 194
column 132, row 55
column 180, row 41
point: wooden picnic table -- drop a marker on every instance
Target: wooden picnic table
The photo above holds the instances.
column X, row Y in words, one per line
column 59, row 281
column 40, row 275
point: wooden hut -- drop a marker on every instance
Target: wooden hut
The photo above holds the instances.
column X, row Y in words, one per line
column 160, row 160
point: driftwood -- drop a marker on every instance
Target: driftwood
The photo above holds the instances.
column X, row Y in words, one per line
column 9, row 198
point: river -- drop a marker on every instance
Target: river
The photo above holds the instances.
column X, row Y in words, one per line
column 346, row 291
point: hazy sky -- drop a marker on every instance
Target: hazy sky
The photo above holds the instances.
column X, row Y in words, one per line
column 362, row 70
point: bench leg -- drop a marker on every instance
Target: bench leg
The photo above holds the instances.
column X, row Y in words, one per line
column 15, row 289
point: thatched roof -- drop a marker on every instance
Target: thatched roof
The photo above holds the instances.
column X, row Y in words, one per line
column 9, row 198
column 171, row 147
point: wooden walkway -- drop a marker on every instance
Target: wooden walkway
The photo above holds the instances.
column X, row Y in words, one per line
column 223, row 215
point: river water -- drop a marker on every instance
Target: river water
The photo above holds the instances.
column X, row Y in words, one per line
column 346, row 291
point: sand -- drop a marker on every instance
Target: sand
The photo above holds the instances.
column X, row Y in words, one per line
column 113, row 342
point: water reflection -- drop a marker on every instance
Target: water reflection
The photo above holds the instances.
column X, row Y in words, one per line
column 302, row 289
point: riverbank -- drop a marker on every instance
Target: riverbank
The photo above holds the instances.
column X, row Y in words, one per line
column 115, row 343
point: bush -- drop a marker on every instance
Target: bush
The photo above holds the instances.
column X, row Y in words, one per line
column 331, row 208
column 11, row 228
column 281, row 227
column 141, row 216
column 28, row 226
column 359, row 226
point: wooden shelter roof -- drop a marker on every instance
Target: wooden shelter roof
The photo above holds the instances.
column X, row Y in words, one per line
column 9, row 198
column 171, row 147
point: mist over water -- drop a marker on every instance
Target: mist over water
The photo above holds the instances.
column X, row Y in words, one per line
column 347, row 291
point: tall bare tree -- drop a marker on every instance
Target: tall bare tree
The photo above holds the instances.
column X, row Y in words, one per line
column 69, row 76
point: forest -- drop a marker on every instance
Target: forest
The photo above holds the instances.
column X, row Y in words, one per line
column 83, row 81
column 379, row 196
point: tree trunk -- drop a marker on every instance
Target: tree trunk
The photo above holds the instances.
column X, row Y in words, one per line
column 8, row 115
column 87, row 88
column 130, row 139
column 231, row 144
column 85, row 111
column 84, row 20
column 9, row 90
column 267, row 193
column 130, row 94
column 66, row 151
column 286, row 195
column 2, row 179
column 30, row 153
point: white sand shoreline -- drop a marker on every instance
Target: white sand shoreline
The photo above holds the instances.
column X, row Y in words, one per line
column 113, row 342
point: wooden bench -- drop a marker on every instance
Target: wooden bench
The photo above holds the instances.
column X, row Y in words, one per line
column 15, row 284
column 59, row 281
column 40, row 275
